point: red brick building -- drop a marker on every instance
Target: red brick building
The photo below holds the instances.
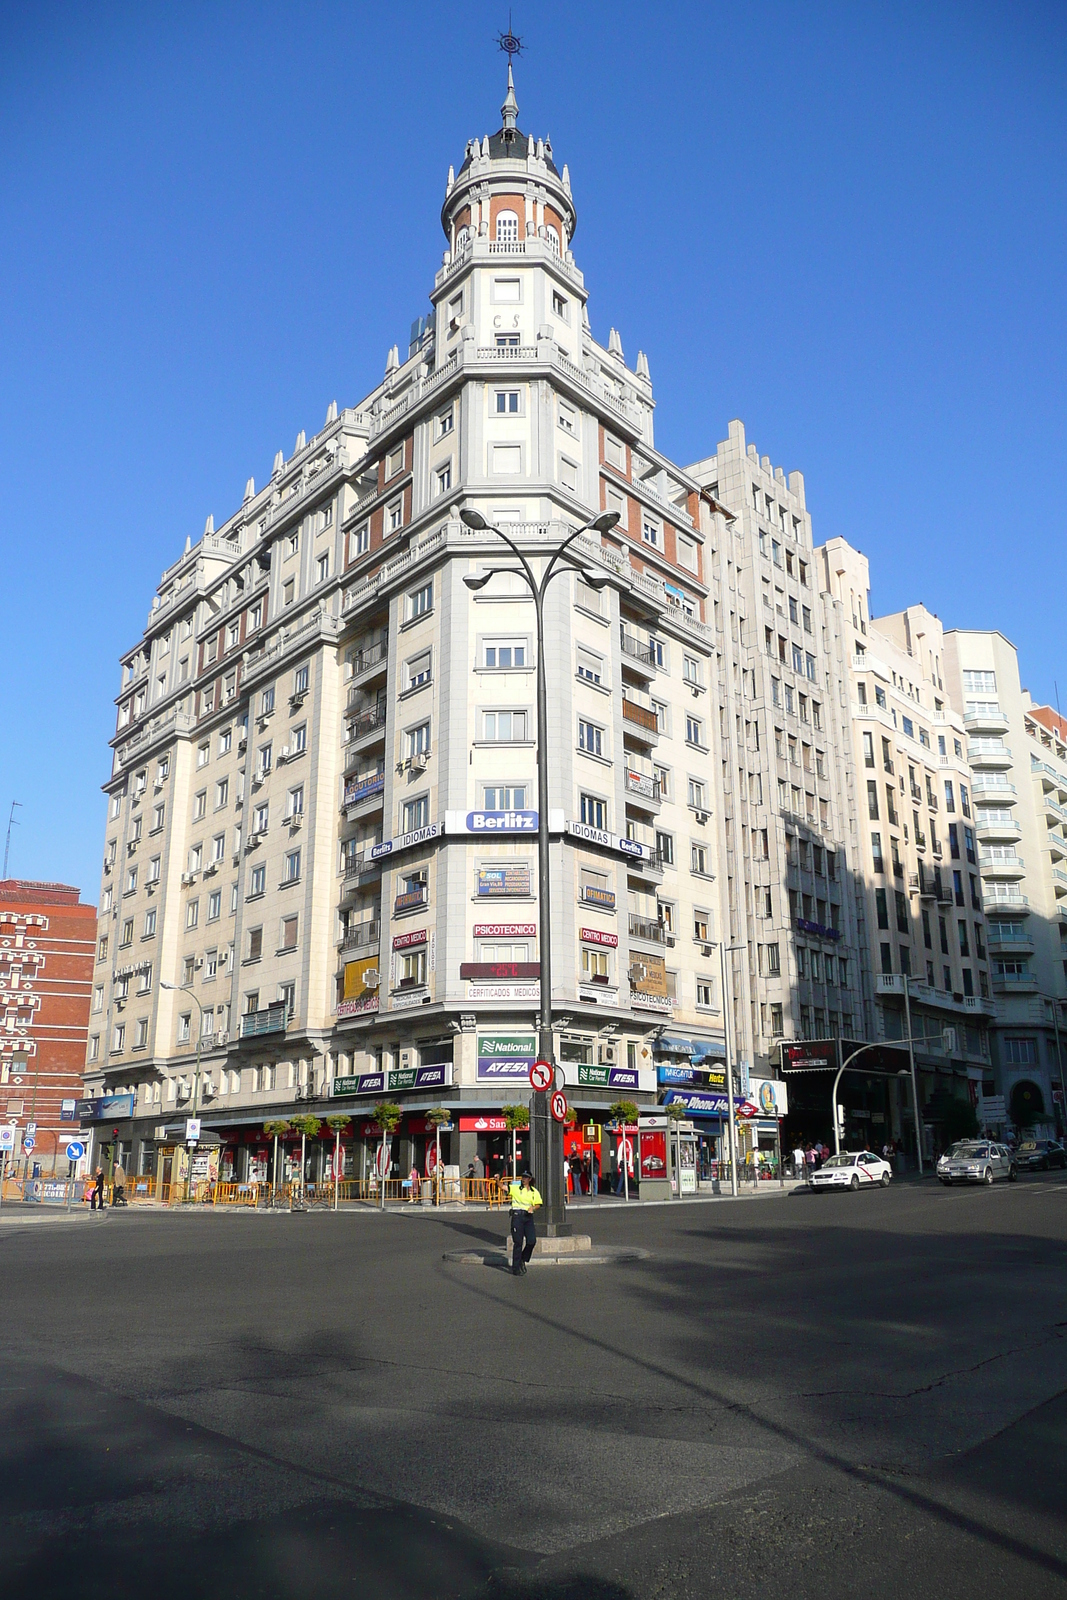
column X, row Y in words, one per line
column 47, row 944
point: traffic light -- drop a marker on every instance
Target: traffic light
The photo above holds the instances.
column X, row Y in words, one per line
column 840, row 1114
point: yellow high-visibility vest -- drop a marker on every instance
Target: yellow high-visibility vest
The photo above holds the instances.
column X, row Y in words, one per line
column 523, row 1199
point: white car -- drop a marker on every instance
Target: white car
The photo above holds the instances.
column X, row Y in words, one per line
column 857, row 1169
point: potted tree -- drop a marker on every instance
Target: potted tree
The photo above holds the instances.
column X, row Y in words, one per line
column 675, row 1115
column 275, row 1130
column 308, row 1127
column 438, row 1117
column 387, row 1115
column 623, row 1114
column 516, row 1117
column 335, row 1124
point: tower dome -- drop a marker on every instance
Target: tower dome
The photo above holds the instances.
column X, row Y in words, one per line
column 509, row 188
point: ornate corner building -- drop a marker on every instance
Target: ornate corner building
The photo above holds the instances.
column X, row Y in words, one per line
column 320, row 873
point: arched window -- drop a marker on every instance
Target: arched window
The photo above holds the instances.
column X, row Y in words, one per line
column 462, row 238
column 507, row 227
column 552, row 235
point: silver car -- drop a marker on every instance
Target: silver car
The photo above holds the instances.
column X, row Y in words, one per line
column 976, row 1161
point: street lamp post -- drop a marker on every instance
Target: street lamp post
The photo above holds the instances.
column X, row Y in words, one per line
column 196, row 1077
column 546, row 1137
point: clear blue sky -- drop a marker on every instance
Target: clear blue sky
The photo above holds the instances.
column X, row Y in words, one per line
column 843, row 223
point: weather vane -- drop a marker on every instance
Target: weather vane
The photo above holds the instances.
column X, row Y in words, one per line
column 509, row 42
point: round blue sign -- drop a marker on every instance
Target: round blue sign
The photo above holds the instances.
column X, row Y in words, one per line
column 75, row 1151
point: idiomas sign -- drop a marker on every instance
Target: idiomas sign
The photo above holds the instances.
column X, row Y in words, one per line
column 404, row 841
column 505, row 1057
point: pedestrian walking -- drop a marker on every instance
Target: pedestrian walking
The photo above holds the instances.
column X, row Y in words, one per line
column 118, row 1185
column 524, row 1202
column 97, row 1201
column 798, row 1161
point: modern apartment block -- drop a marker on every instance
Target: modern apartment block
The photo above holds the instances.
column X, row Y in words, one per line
column 46, row 971
column 1018, row 751
column 920, row 850
column 320, row 856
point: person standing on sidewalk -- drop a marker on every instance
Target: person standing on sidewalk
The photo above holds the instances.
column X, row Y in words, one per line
column 97, row 1201
column 524, row 1202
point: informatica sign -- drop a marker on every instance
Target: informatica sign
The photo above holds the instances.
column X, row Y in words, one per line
column 505, row 1057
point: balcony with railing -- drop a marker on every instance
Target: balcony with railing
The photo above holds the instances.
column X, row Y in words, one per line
column 358, row 865
column 637, row 651
column 997, row 830
column 642, row 785
column 989, row 719
column 988, row 754
column 1016, row 982
column 363, row 936
column 365, row 725
column 271, row 1019
column 368, row 659
column 645, row 928
column 641, row 718
column 1001, row 863
column 993, row 904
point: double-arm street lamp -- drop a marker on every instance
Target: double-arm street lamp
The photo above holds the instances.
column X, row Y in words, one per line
column 196, row 1078
column 547, row 1137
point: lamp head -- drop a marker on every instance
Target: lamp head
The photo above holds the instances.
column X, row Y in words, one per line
column 473, row 519
column 477, row 580
column 606, row 520
column 595, row 580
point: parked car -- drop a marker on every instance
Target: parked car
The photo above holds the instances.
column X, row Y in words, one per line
column 1038, row 1155
column 976, row 1161
column 856, row 1169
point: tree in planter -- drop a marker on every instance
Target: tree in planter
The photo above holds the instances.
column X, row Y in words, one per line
column 623, row 1113
column 675, row 1115
column 438, row 1117
column 335, row 1124
column 387, row 1115
column 275, row 1130
column 516, row 1117
column 308, row 1127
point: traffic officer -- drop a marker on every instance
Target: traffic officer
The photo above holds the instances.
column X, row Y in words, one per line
column 524, row 1202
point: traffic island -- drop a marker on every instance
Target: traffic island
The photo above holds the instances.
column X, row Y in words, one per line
column 573, row 1250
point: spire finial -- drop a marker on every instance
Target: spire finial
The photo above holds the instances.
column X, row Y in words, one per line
column 509, row 111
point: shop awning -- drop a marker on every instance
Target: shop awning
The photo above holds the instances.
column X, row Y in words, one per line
column 672, row 1044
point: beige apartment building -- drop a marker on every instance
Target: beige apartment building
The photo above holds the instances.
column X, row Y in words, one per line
column 919, row 856
column 320, row 850
column 1018, row 751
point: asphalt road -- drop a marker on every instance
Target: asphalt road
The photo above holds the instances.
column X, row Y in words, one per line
column 833, row 1395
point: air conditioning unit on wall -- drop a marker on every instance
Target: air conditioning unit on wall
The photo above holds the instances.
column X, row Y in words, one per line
column 607, row 1054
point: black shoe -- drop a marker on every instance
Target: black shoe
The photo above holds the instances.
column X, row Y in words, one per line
column 517, row 1272
column 522, row 1270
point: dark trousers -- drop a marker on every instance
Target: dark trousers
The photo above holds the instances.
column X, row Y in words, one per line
column 523, row 1238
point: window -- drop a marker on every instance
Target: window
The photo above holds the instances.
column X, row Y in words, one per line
column 255, row 944
column 594, row 965
column 1020, row 1052
column 698, row 859
column 288, row 592
column 199, row 805
column 590, row 738
column 298, row 739
column 903, row 925
column 879, row 696
column 589, row 665
column 445, row 422
column 593, row 811
column 214, row 905
column 412, row 969
column 504, row 726
column 694, row 730
column 665, row 848
column 257, row 881
column 868, row 750
column 261, row 818
column 979, row 682
column 507, row 403
column 568, row 474
column 292, row 866
column 650, row 532
column 507, row 460
column 696, row 794
column 418, row 669
column 415, row 814
column 504, row 797
column 506, row 653
column 131, row 880
column 568, row 418
column 359, row 541
column 588, row 598
column 295, row 802
column 687, row 553
column 691, row 671
column 420, row 601
column 218, row 847
column 394, row 515
column 322, row 567
column 443, row 478
column 872, row 800
column 416, row 742
column 288, row 933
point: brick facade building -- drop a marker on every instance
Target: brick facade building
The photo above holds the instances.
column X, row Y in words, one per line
column 46, row 965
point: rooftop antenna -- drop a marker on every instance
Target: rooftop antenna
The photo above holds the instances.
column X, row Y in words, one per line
column 12, row 822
